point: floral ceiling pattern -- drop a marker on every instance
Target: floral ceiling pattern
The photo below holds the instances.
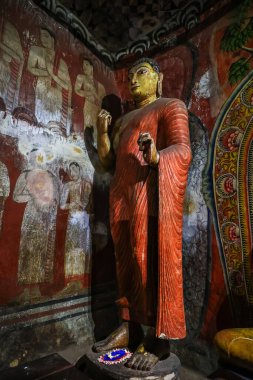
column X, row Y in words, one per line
column 116, row 29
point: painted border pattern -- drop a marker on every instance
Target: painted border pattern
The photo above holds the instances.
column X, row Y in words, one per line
column 51, row 311
column 245, row 183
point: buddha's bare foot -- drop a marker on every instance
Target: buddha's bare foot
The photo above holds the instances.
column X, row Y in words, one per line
column 149, row 352
column 128, row 334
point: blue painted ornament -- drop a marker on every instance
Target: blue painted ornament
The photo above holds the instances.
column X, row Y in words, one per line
column 115, row 356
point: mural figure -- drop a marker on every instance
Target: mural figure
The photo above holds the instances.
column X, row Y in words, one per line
column 76, row 197
column 4, row 189
column 152, row 149
column 53, row 86
column 39, row 188
column 11, row 65
column 93, row 92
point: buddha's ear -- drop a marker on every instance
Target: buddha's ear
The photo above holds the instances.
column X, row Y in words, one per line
column 159, row 84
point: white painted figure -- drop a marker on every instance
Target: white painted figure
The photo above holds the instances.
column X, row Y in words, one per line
column 93, row 92
column 53, row 86
column 39, row 189
column 11, row 65
column 4, row 189
column 76, row 197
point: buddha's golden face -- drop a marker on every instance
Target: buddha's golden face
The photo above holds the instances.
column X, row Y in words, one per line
column 142, row 81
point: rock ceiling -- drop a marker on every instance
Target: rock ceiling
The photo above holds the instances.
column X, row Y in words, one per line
column 120, row 28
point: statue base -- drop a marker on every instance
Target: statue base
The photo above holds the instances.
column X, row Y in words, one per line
column 167, row 369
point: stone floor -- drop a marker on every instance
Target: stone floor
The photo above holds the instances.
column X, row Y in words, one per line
column 74, row 352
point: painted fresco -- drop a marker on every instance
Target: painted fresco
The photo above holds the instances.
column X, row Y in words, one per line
column 196, row 249
column 77, row 198
column 227, row 193
column 52, row 84
column 46, row 175
column 4, row 189
column 38, row 189
column 140, row 28
column 93, row 92
column 50, row 94
column 11, row 65
column 237, row 40
column 231, row 188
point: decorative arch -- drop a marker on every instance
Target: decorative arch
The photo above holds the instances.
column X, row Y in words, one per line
column 228, row 186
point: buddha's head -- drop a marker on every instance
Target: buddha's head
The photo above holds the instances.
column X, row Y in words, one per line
column 144, row 79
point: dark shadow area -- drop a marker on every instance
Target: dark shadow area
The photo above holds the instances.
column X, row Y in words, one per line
column 232, row 370
column 103, row 280
column 52, row 367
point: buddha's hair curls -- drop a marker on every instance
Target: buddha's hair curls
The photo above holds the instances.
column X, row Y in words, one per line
column 150, row 61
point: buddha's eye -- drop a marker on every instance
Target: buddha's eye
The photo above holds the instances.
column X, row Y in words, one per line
column 142, row 71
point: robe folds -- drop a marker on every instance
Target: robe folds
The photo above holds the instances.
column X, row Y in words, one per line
column 146, row 215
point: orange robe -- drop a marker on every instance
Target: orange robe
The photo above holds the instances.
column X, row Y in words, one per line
column 146, row 214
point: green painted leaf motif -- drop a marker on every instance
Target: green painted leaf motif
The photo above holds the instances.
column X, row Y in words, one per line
column 232, row 38
column 248, row 31
column 238, row 70
column 235, row 37
column 238, row 34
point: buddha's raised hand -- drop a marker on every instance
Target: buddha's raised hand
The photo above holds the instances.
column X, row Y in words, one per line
column 103, row 121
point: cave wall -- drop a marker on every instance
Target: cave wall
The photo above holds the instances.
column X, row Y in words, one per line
column 51, row 90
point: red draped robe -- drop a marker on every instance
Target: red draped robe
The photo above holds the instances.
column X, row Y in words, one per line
column 146, row 211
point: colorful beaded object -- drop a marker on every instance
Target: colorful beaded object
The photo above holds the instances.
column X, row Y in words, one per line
column 115, row 356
